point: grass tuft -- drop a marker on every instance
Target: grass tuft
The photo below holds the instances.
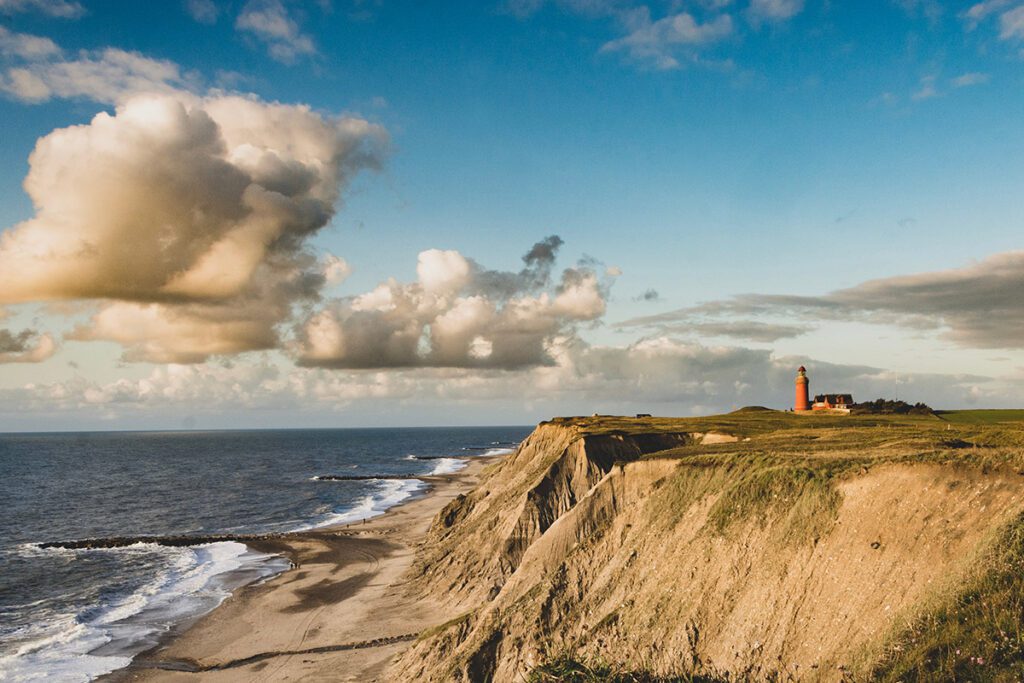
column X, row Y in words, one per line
column 805, row 496
column 977, row 636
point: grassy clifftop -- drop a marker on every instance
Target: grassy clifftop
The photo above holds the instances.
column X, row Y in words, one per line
column 752, row 545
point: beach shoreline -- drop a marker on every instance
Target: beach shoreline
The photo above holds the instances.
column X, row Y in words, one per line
column 339, row 613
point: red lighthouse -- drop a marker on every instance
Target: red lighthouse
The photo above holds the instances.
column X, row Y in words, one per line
column 803, row 401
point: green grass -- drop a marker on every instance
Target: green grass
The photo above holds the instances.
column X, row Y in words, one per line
column 787, row 467
column 742, row 424
column 978, row 635
column 797, row 496
column 982, row 416
column 804, row 497
column 870, row 437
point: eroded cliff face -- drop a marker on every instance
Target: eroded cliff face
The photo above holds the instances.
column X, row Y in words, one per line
column 479, row 540
column 678, row 562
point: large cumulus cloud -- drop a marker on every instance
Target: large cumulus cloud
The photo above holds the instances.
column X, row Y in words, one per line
column 457, row 314
column 188, row 216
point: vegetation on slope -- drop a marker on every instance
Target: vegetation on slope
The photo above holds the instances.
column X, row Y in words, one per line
column 978, row 634
column 784, row 477
column 569, row 669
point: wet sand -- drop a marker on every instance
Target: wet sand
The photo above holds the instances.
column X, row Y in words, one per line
column 341, row 614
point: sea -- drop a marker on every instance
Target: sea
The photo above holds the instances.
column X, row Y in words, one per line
column 74, row 615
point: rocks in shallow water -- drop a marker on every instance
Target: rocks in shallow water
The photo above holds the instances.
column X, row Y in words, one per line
column 174, row 541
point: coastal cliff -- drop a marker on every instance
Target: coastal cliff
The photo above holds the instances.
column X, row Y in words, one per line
column 752, row 545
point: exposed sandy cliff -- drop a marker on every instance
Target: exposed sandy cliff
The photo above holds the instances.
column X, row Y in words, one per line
column 754, row 546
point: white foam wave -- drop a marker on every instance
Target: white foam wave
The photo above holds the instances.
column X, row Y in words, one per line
column 74, row 648
column 61, row 653
column 448, row 465
column 498, row 451
column 389, row 493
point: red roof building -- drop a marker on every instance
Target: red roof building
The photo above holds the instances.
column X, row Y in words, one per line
column 842, row 402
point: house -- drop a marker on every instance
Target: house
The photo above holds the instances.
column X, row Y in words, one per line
column 837, row 402
column 834, row 403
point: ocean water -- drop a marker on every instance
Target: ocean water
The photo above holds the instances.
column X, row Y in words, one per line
column 73, row 615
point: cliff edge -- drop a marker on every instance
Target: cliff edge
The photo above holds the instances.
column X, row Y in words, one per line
column 752, row 546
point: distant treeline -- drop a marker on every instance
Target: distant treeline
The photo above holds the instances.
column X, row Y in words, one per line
column 885, row 406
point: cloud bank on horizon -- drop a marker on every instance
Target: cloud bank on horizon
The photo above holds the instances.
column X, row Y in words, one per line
column 180, row 223
column 978, row 306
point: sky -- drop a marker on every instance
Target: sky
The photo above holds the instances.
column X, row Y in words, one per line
column 336, row 213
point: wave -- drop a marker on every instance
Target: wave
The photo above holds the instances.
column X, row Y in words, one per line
column 80, row 646
column 448, row 465
column 497, row 451
column 482, row 452
column 357, row 477
column 389, row 493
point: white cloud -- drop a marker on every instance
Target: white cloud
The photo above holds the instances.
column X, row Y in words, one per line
column 976, row 306
column 27, row 346
column 698, row 322
column 660, row 375
column 269, row 22
column 972, row 78
column 63, row 9
column 977, row 13
column 931, row 86
column 335, row 269
column 203, row 11
column 927, row 89
column 442, row 272
column 774, row 10
column 160, row 333
column 456, row 314
column 1011, row 24
column 228, row 189
column 26, row 46
column 1010, row 13
column 654, row 42
column 109, row 75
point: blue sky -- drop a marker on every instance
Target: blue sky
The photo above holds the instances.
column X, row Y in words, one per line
column 693, row 151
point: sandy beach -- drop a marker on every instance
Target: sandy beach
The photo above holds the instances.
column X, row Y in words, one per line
column 340, row 614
